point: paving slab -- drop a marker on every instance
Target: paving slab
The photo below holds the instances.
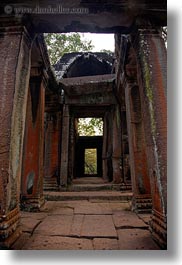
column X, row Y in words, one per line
column 51, row 205
column 55, row 225
column 136, row 239
column 35, row 215
column 76, row 225
column 105, row 244
column 66, row 210
column 126, row 219
column 40, row 242
column 118, row 206
column 98, row 226
column 29, row 224
column 22, row 240
column 93, row 208
column 145, row 217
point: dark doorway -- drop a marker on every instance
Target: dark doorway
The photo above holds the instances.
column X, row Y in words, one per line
column 87, row 143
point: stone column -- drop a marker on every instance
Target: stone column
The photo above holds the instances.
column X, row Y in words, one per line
column 107, row 147
column 32, row 169
column 126, row 178
column 15, row 46
column 116, row 155
column 141, row 201
column 152, row 62
column 52, row 138
column 104, row 148
column 65, row 146
column 71, row 150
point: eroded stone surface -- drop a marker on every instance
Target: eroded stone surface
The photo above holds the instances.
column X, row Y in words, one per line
column 93, row 209
column 55, row 225
column 62, row 211
column 98, row 226
column 145, row 217
column 130, row 239
column 76, row 225
column 21, row 242
column 29, row 224
column 40, row 242
column 61, row 226
column 126, row 219
column 105, row 244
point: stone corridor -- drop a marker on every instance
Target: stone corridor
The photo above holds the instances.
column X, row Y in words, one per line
column 42, row 154
column 92, row 224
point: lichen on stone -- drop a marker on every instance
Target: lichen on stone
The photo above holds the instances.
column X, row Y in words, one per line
column 149, row 94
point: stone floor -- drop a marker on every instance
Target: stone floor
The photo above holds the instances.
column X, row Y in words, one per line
column 85, row 225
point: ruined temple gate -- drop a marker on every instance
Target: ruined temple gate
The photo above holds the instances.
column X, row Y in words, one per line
column 34, row 110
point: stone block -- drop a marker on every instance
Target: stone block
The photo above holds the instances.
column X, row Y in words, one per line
column 136, row 239
column 98, row 226
column 105, row 244
column 76, row 225
column 55, row 225
column 57, row 243
column 93, row 208
column 126, row 219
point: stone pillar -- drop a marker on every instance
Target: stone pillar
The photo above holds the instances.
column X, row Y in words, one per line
column 152, row 62
column 52, row 142
column 32, row 169
column 71, row 150
column 104, row 149
column 126, row 178
column 141, row 201
column 15, row 46
column 116, row 155
column 65, row 146
column 107, row 148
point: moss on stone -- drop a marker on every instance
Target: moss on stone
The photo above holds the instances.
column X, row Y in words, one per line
column 149, row 95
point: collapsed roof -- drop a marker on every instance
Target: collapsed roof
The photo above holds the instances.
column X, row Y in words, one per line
column 77, row 64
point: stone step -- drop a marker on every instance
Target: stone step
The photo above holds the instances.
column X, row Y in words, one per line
column 51, row 188
column 87, row 195
column 126, row 187
column 94, row 187
column 50, row 184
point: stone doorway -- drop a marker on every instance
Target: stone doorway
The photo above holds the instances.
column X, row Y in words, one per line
column 84, row 168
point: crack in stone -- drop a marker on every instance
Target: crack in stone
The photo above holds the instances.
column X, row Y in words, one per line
column 131, row 227
column 33, row 230
column 102, row 214
column 85, row 237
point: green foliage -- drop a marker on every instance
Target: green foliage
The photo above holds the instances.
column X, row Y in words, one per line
column 90, row 126
column 90, row 161
column 58, row 44
column 106, row 51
